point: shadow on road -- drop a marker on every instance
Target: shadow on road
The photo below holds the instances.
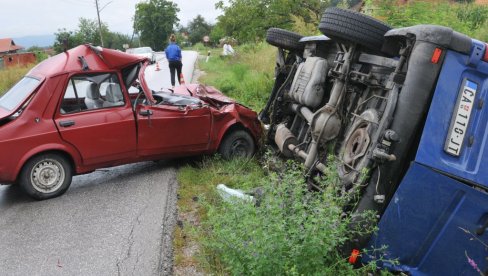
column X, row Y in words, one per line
column 12, row 194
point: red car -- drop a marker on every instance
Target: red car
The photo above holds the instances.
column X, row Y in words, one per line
column 90, row 107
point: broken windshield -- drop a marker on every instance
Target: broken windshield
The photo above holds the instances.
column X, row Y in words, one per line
column 17, row 94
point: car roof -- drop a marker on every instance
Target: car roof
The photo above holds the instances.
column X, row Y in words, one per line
column 97, row 59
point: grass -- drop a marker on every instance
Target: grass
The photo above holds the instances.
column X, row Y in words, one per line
column 10, row 76
column 246, row 77
column 197, row 182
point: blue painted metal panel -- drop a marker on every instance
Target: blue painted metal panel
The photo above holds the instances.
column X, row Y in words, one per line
column 430, row 226
column 458, row 70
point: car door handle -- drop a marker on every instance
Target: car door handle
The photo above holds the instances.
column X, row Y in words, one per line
column 145, row 112
column 67, row 123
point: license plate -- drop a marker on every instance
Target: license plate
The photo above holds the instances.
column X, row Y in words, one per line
column 460, row 118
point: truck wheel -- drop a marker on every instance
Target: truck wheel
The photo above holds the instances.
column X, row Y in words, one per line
column 357, row 143
column 238, row 143
column 348, row 27
column 46, row 176
column 284, row 39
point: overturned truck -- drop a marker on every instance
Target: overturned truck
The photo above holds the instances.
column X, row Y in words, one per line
column 403, row 111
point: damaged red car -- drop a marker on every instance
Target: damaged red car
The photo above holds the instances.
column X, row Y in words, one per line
column 90, row 107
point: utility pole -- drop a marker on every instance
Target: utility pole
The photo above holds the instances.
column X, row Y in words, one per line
column 99, row 22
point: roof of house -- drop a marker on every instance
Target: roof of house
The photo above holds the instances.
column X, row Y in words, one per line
column 7, row 45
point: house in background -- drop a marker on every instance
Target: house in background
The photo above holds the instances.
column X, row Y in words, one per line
column 10, row 56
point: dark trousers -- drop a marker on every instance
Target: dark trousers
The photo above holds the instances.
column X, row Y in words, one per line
column 175, row 66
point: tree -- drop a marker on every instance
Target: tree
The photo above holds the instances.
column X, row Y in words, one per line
column 65, row 40
column 464, row 18
column 88, row 33
column 154, row 21
column 198, row 28
column 248, row 20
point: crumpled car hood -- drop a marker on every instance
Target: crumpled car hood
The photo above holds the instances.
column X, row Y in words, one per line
column 207, row 94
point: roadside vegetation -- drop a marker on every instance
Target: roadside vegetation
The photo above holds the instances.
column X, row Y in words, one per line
column 10, row 76
column 246, row 77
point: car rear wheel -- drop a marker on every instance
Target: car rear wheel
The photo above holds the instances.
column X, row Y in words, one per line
column 351, row 27
column 46, row 176
column 238, row 143
column 284, row 39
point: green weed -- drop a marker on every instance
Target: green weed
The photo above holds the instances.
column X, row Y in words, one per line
column 10, row 76
column 291, row 232
column 246, row 77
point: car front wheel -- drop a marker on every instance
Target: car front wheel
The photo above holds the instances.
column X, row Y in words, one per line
column 238, row 143
column 46, row 176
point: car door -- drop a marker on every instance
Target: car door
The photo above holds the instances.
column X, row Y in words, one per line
column 96, row 117
column 169, row 130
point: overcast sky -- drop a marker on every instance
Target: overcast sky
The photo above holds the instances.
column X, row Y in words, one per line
column 40, row 17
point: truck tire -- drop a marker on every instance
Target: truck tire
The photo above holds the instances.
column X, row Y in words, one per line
column 351, row 27
column 284, row 39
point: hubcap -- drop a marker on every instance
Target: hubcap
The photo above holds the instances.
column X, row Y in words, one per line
column 47, row 176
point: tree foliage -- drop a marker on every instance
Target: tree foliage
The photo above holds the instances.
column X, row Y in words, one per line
column 198, row 28
column 248, row 20
column 88, row 32
column 154, row 21
column 462, row 17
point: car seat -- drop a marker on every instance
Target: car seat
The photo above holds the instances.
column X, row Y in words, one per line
column 92, row 98
column 113, row 95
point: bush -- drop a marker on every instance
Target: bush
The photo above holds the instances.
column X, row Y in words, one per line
column 293, row 231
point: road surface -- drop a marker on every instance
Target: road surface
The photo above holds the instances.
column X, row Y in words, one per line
column 115, row 221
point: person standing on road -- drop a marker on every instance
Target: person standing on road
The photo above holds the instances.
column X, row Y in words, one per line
column 173, row 54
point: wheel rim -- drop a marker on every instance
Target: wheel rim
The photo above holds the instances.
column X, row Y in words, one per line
column 47, row 176
column 239, row 148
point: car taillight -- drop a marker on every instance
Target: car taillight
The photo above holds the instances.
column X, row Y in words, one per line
column 354, row 256
column 436, row 56
column 485, row 56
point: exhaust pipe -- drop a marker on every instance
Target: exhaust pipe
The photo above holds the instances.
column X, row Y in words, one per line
column 286, row 142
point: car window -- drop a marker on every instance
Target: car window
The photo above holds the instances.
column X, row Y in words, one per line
column 94, row 91
column 18, row 93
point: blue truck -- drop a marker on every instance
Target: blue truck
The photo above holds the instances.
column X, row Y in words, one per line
column 403, row 110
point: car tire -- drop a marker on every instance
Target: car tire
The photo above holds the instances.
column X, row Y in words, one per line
column 238, row 143
column 284, row 39
column 46, row 176
column 351, row 27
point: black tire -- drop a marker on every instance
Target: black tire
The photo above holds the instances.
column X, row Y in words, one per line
column 284, row 39
column 351, row 27
column 46, row 176
column 238, row 143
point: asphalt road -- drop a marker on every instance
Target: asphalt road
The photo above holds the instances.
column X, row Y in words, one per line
column 115, row 221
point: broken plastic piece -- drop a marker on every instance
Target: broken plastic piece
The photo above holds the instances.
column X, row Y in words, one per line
column 230, row 195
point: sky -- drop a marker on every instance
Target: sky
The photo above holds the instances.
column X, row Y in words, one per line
column 20, row 18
